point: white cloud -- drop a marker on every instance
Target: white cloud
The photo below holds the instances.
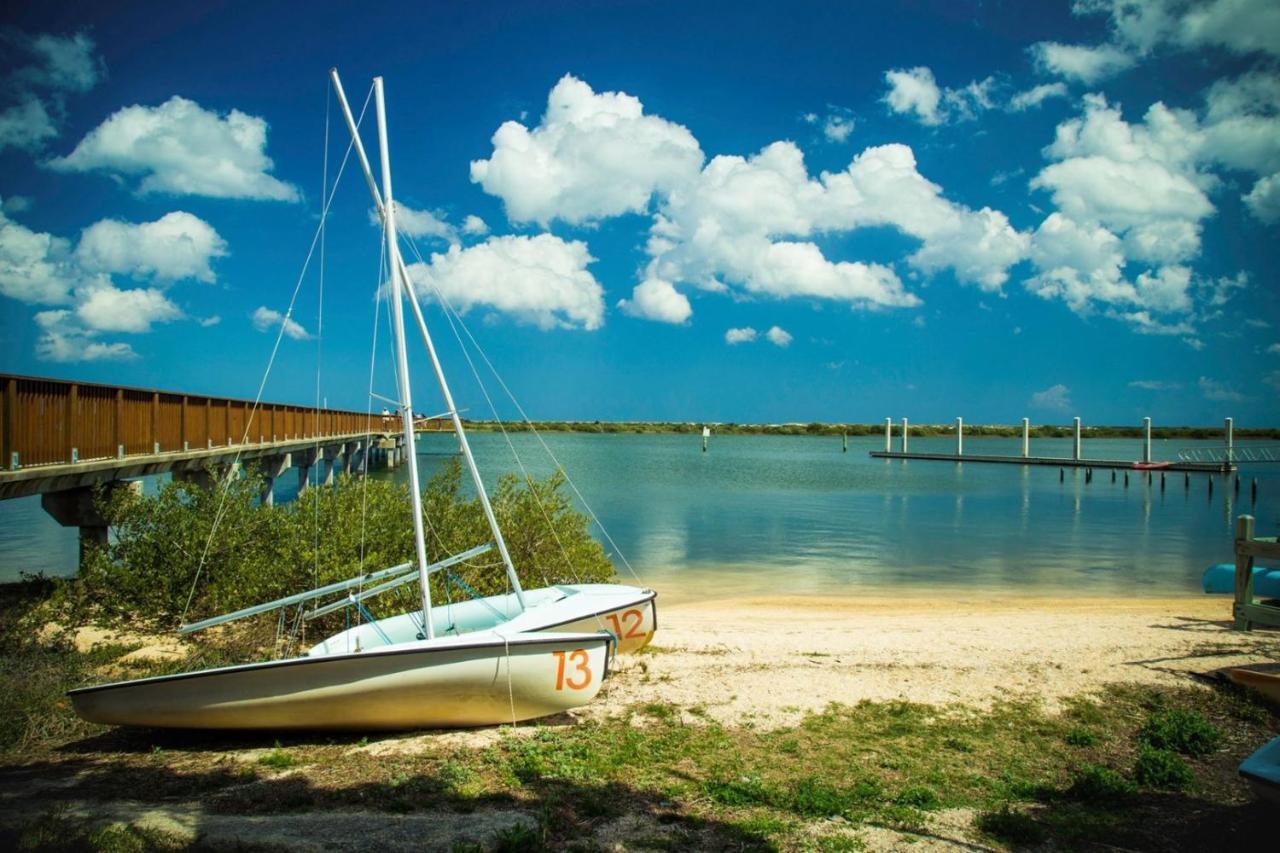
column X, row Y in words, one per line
column 15, row 204
column 838, row 125
column 35, row 267
column 1155, row 385
column 181, row 148
column 178, row 245
column 1241, row 26
column 211, row 320
column 106, row 308
column 63, row 340
column 914, row 91
column 474, row 226
column 26, row 126
column 1081, row 62
column 740, row 336
column 62, row 63
column 541, row 280
column 1264, row 199
column 594, row 155
column 1218, row 291
column 1036, row 96
column 656, row 299
column 265, row 318
column 422, row 223
column 779, row 336
column 1218, row 392
column 1055, row 397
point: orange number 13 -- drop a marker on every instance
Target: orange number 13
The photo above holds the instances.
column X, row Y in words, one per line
column 579, row 677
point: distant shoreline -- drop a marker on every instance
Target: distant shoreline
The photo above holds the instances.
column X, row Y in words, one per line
column 855, row 429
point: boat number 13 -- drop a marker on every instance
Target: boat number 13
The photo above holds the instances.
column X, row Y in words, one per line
column 579, row 675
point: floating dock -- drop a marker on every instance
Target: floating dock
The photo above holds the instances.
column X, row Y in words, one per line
column 1121, row 464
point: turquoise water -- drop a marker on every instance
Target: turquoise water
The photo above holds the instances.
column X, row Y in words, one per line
column 794, row 514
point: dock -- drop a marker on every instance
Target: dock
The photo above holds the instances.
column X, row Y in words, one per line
column 1223, row 463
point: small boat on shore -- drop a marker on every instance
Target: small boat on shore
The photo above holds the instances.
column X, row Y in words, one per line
column 485, row 661
column 1151, row 466
column 1265, row 683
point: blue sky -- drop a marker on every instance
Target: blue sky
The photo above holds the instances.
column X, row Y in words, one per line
column 665, row 211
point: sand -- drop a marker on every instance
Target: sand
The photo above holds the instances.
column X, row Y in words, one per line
column 769, row 661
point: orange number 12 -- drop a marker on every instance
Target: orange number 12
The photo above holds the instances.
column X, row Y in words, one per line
column 633, row 619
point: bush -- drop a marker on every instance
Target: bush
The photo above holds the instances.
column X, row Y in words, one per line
column 1102, row 785
column 189, row 552
column 1161, row 768
column 1182, row 731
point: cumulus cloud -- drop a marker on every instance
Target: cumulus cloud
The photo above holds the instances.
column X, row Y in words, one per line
column 1056, row 398
column 837, row 125
column 1037, row 95
column 744, row 335
column 106, row 308
column 264, row 319
column 474, row 226
column 47, row 68
column 1155, row 385
column 1219, row 392
column 541, row 280
column 178, row 245
column 656, row 299
column 43, row 269
column 1087, row 64
column 180, row 148
column 26, row 126
column 422, row 223
column 594, row 155
column 915, row 92
column 1241, row 26
column 778, row 336
column 63, row 340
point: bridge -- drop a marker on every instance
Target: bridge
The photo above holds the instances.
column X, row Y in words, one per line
column 61, row 440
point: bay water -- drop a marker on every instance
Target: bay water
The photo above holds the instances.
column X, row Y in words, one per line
column 787, row 515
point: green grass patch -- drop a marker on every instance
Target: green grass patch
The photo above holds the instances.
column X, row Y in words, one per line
column 1162, row 768
column 1181, row 730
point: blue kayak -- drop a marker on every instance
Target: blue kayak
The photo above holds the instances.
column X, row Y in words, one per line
column 1262, row 770
column 1222, row 579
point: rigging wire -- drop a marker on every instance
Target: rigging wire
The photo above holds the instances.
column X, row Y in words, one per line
column 221, row 510
column 324, row 192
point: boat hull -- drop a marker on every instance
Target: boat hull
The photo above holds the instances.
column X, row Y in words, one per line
column 628, row 613
column 475, row 681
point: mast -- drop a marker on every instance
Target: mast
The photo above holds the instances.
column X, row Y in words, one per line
column 402, row 360
column 386, row 212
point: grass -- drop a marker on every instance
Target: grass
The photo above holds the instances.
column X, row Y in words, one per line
column 1132, row 766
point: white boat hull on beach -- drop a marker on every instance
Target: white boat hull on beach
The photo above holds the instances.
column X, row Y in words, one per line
column 479, row 680
column 627, row 612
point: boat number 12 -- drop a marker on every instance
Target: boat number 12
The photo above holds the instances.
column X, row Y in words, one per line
column 632, row 620
column 579, row 674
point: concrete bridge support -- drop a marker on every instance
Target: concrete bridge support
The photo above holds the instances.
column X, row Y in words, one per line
column 76, row 508
column 305, row 460
column 272, row 467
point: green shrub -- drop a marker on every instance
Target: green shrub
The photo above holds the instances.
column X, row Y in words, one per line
column 192, row 552
column 1187, row 732
column 1162, row 768
column 1102, row 785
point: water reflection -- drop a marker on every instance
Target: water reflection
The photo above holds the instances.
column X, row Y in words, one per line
column 769, row 514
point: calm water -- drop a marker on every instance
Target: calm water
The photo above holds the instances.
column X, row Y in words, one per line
column 760, row 513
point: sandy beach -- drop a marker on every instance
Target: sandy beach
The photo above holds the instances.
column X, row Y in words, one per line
column 769, row 661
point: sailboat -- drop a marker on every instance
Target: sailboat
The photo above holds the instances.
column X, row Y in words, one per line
column 490, row 660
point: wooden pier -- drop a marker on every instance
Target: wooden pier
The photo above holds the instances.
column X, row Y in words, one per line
column 1055, row 461
column 63, row 440
column 1076, row 460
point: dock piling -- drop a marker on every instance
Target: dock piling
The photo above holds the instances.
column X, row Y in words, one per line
column 1229, row 428
column 844, row 442
column 904, row 435
column 1062, row 475
column 888, row 435
column 1113, row 475
column 1075, row 444
column 959, row 436
column 1126, row 479
column 1026, row 438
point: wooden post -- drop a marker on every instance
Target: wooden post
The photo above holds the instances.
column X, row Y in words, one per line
column 73, row 404
column 10, row 423
column 155, row 421
column 117, row 426
column 1244, row 572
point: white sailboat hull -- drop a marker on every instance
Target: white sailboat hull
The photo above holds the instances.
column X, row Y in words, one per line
column 478, row 680
column 626, row 612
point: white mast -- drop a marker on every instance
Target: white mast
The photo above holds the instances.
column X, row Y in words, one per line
column 402, row 359
column 385, row 211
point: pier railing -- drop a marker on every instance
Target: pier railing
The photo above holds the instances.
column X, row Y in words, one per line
column 51, row 421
